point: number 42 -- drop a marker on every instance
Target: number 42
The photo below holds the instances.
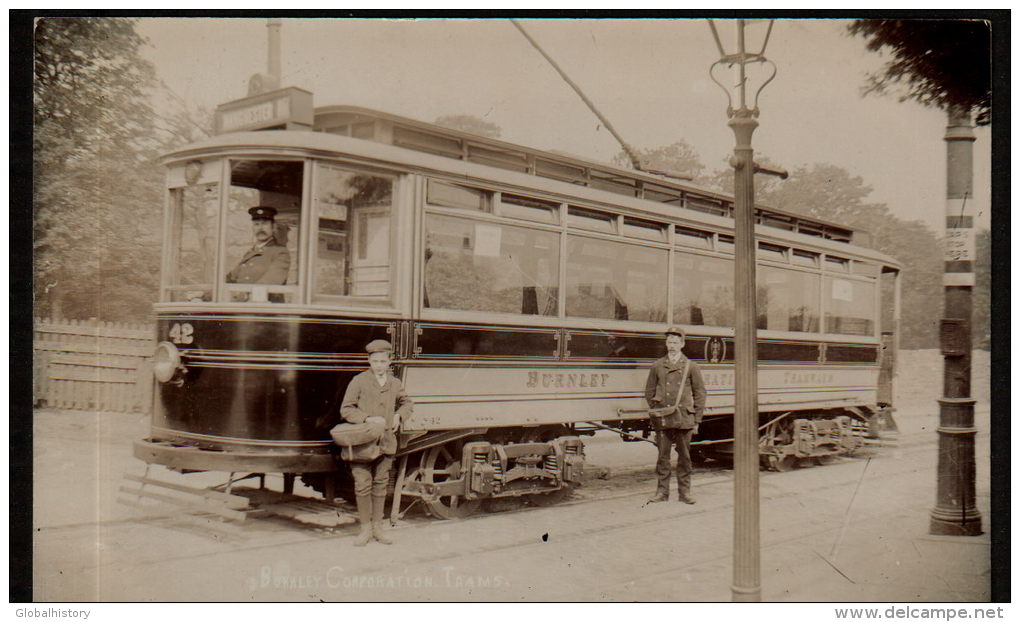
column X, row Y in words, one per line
column 182, row 333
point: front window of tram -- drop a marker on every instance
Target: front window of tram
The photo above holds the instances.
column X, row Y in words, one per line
column 262, row 224
column 259, row 257
column 193, row 221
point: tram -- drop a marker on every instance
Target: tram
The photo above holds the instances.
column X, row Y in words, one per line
column 525, row 293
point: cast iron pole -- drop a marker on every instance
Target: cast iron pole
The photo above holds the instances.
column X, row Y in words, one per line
column 746, row 546
column 955, row 512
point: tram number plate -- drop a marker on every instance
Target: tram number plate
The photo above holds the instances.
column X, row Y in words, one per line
column 182, row 333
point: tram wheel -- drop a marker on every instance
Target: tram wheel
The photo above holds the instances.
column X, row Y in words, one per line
column 440, row 465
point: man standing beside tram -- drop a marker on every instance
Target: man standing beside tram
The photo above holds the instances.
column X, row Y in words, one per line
column 676, row 395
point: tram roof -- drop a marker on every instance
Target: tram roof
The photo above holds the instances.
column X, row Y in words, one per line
column 333, row 124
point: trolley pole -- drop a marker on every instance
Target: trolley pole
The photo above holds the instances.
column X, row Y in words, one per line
column 746, row 586
column 955, row 513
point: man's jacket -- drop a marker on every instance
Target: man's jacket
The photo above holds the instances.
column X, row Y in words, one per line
column 664, row 383
column 364, row 398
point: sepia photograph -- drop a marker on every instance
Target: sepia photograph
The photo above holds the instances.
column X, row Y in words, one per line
column 663, row 308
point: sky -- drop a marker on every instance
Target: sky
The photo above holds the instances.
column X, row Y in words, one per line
column 649, row 77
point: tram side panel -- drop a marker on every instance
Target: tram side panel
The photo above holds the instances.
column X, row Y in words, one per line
column 255, row 382
column 449, row 395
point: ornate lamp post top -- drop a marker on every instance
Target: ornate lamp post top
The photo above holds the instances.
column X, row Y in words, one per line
column 750, row 38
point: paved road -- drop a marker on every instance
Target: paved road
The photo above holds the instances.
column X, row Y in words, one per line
column 828, row 533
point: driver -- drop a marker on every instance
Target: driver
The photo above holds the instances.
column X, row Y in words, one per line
column 268, row 261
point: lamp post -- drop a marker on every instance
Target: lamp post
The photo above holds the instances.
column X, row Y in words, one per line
column 746, row 586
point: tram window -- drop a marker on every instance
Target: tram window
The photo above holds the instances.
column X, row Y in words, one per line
column 787, row 300
column 693, row 237
column 261, row 264
column 702, row 290
column 557, row 170
column 805, row 258
column 662, row 194
column 353, row 254
column 527, row 208
column 450, row 195
column 591, row 219
column 194, row 221
column 866, row 268
column 644, row 229
column 771, row 252
column 850, row 306
column 364, row 130
column 481, row 266
column 615, row 280
column 612, row 183
column 836, row 264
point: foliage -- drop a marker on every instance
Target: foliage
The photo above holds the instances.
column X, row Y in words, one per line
column 471, row 124
column 96, row 183
column 942, row 63
column 678, row 158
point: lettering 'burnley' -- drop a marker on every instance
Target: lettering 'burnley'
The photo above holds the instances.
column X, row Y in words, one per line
column 566, row 380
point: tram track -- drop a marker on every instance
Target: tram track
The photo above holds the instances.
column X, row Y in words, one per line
column 272, row 534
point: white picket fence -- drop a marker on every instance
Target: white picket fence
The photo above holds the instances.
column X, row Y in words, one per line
column 91, row 365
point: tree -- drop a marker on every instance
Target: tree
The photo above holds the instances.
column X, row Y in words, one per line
column 96, row 182
column 471, row 124
column 942, row 63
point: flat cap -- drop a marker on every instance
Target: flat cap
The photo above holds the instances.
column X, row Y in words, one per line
column 262, row 212
column 676, row 330
column 379, row 345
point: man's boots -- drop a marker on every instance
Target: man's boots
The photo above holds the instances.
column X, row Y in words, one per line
column 365, row 519
column 379, row 504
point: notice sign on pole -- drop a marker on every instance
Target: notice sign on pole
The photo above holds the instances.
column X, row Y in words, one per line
column 959, row 245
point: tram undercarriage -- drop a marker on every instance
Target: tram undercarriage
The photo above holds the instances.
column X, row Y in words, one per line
column 453, row 473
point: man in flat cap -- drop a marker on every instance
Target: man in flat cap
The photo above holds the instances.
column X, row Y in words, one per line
column 675, row 380
column 267, row 262
column 375, row 395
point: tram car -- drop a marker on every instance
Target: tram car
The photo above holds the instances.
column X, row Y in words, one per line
column 525, row 293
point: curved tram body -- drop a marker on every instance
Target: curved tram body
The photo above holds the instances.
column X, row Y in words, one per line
column 525, row 294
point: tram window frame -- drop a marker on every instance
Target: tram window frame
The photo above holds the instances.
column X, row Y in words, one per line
column 433, row 197
column 787, row 281
column 870, row 322
column 834, row 263
column 696, row 310
column 209, row 180
column 804, row 259
column 772, row 252
column 642, row 229
column 546, row 293
column 287, row 224
column 866, row 268
column 588, row 219
column 522, row 207
column 393, row 253
column 689, row 237
column 621, row 302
